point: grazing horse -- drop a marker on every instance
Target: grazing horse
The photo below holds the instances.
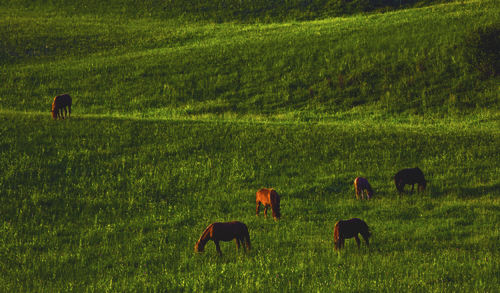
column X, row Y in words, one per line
column 60, row 103
column 224, row 232
column 410, row 176
column 268, row 197
column 349, row 229
column 361, row 184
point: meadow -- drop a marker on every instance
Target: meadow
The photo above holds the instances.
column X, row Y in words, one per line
column 177, row 123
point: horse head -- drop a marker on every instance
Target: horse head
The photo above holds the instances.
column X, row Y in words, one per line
column 370, row 193
column 54, row 111
column 422, row 186
column 399, row 184
column 199, row 247
column 275, row 205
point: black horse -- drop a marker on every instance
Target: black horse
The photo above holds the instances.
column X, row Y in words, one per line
column 59, row 104
column 410, row 176
column 350, row 229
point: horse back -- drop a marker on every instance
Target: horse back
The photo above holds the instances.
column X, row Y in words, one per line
column 353, row 227
column 362, row 183
column 228, row 231
column 62, row 101
column 410, row 176
column 263, row 195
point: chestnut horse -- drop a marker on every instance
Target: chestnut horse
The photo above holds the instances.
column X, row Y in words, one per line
column 410, row 176
column 224, row 232
column 60, row 103
column 361, row 184
column 268, row 197
column 349, row 229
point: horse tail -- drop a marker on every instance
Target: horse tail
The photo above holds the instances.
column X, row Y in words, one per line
column 247, row 238
column 54, row 108
column 69, row 101
column 336, row 233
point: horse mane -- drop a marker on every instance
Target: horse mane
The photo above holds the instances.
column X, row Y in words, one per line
column 205, row 232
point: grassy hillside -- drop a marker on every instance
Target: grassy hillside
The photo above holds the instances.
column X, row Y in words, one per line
column 117, row 204
column 220, row 10
column 177, row 123
column 407, row 62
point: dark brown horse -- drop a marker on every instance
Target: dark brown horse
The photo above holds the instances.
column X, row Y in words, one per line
column 59, row 104
column 224, row 232
column 268, row 197
column 410, row 176
column 349, row 229
column 361, row 184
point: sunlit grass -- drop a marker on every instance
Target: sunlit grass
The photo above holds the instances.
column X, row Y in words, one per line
column 118, row 202
column 177, row 124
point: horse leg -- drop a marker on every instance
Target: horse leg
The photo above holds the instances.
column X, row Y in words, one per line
column 257, row 209
column 412, row 186
column 265, row 211
column 217, row 247
column 357, row 193
column 242, row 240
column 243, row 243
column 237, row 243
column 367, row 240
column 357, row 240
column 65, row 112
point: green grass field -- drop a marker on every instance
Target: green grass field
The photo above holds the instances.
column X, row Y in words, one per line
column 177, row 123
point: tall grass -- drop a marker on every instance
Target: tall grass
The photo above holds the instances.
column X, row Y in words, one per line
column 117, row 204
column 176, row 124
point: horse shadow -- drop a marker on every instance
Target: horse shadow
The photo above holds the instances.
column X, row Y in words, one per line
column 334, row 188
column 438, row 191
column 480, row 191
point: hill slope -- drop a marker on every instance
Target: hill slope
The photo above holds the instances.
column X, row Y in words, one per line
column 408, row 61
